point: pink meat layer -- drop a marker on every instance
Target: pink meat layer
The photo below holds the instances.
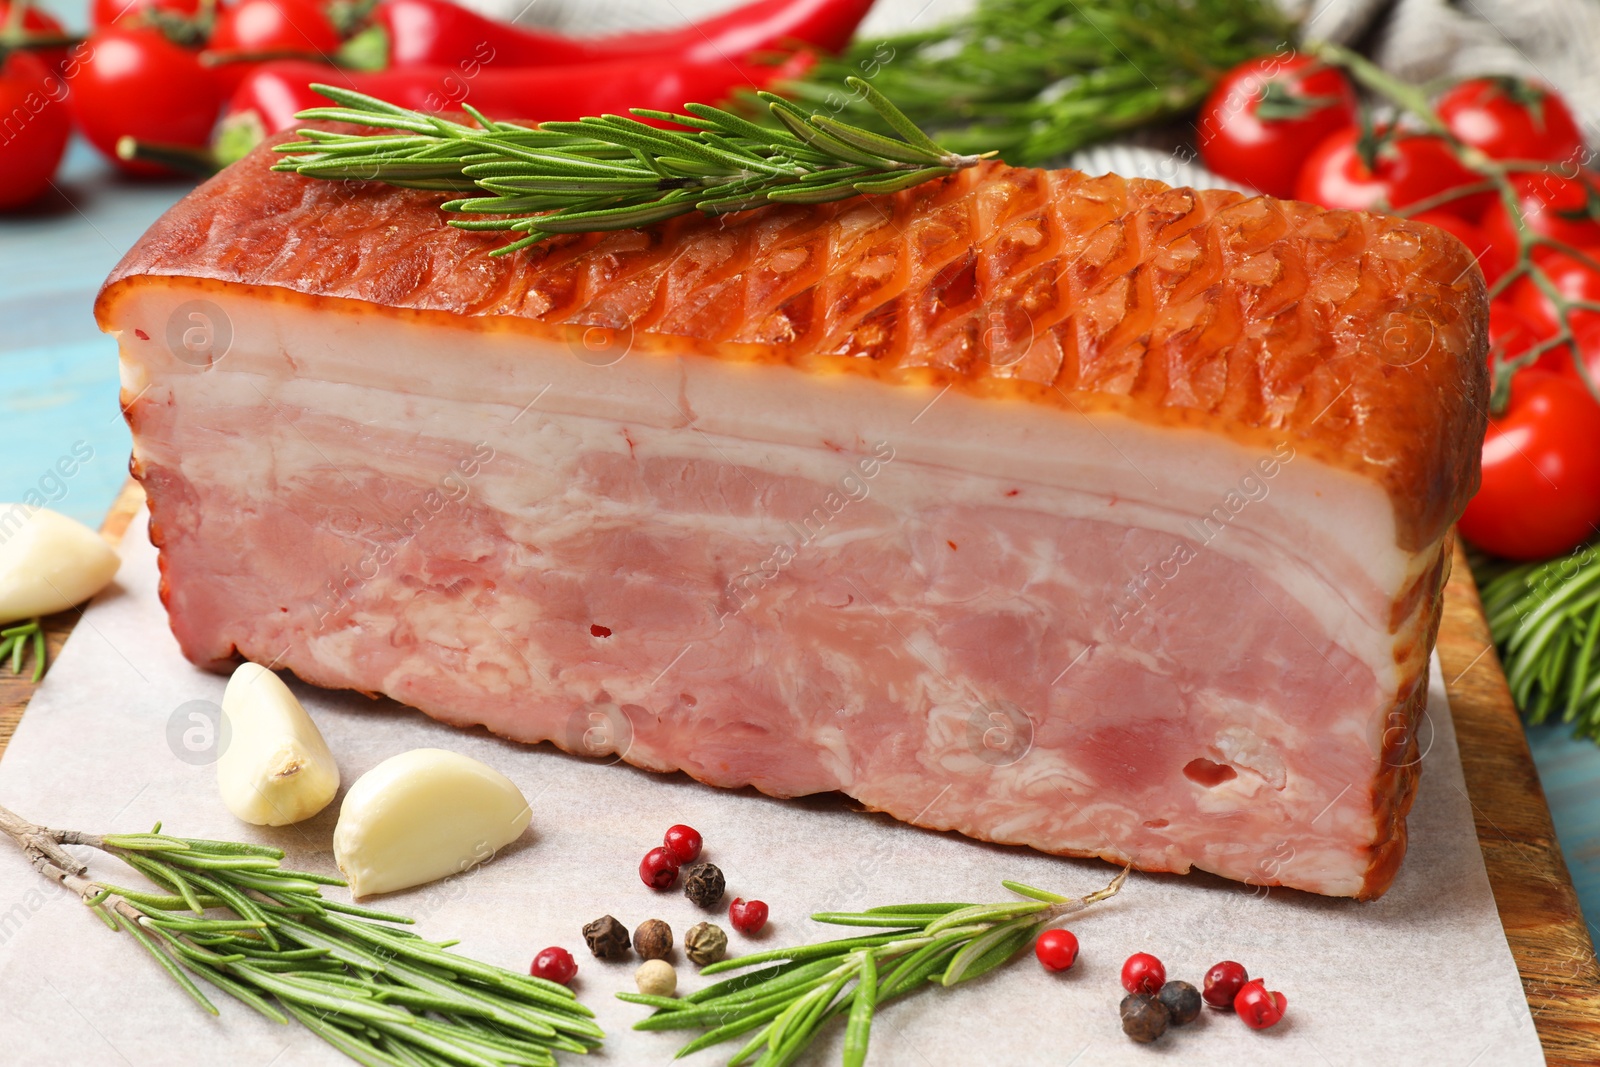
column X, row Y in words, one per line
column 931, row 667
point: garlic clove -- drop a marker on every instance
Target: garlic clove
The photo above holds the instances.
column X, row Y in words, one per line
column 48, row 562
column 423, row 815
column 275, row 768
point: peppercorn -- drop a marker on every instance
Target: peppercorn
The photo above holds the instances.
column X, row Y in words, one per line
column 703, row 883
column 1223, row 982
column 656, row 978
column 653, row 940
column 1182, row 1001
column 747, row 916
column 682, row 843
column 554, row 964
column 1143, row 973
column 1144, row 1018
column 705, row 943
column 607, row 938
column 1258, row 1007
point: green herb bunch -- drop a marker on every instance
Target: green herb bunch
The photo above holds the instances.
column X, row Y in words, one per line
column 1037, row 79
column 233, row 918
column 1545, row 619
column 798, row 991
column 613, row 173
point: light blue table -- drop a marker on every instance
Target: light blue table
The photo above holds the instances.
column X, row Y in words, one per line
column 58, row 380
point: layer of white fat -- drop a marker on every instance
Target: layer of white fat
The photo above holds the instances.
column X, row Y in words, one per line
column 1324, row 535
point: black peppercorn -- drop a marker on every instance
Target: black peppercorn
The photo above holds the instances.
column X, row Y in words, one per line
column 703, row 883
column 653, row 940
column 1182, row 1001
column 1144, row 1018
column 607, row 938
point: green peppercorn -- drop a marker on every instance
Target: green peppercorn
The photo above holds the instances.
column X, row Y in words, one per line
column 607, row 938
column 705, row 943
column 1182, row 1001
column 1144, row 1018
column 703, row 883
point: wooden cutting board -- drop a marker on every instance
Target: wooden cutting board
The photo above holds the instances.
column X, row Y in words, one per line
column 1538, row 907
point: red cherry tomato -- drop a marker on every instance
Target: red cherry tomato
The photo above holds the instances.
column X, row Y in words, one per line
column 253, row 26
column 1267, row 113
column 38, row 126
column 36, row 22
column 277, row 28
column 1483, row 250
column 1572, row 278
column 1559, row 359
column 1541, row 471
column 1510, row 332
column 1565, row 209
column 136, row 83
column 1509, row 118
column 1411, row 167
column 107, row 12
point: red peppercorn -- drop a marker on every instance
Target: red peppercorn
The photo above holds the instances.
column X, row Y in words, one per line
column 1143, row 973
column 658, row 869
column 682, row 843
column 1258, row 1008
column 747, row 916
column 1056, row 949
column 554, row 964
column 1223, row 982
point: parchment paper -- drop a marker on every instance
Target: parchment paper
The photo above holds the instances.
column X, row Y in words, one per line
column 1422, row 976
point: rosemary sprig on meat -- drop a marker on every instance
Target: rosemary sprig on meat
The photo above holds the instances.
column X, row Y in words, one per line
column 229, row 915
column 798, row 991
column 611, row 172
column 1037, row 79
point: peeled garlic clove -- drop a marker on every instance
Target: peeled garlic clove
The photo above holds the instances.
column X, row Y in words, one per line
column 276, row 768
column 423, row 815
column 48, row 562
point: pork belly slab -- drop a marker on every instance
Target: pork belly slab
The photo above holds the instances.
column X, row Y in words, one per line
column 1080, row 513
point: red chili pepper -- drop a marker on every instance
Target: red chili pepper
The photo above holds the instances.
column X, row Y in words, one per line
column 278, row 90
column 439, row 33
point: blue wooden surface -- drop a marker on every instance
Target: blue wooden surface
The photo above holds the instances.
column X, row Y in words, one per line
column 58, row 386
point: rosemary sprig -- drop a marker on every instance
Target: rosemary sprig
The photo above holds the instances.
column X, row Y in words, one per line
column 799, row 990
column 229, row 915
column 1545, row 621
column 1037, row 79
column 14, row 642
column 611, row 172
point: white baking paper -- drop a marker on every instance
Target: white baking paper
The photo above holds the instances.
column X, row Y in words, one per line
column 1421, row 977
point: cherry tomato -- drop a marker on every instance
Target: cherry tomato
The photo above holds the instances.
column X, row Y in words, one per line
column 1510, row 333
column 273, row 28
column 254, row 26
column 1541, row 471
column 1509, row 118
column 1267, row 113
column 1559, row 207
column 136, row 83
column 107, row 12
column 1483, row 250
column 1411, row 167
column 38, row 23
column 1572, row 278
column 37, row 126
